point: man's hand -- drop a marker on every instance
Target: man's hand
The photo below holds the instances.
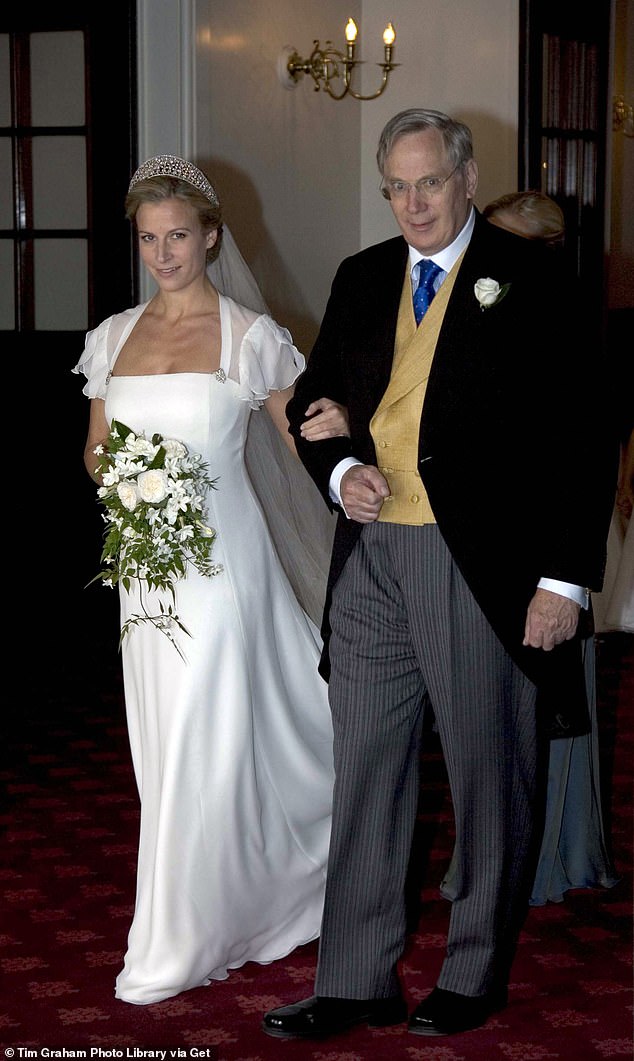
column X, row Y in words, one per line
column 363, row 490
column 550, row 620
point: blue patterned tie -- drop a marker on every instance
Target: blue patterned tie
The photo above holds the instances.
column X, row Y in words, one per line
column 427, row 273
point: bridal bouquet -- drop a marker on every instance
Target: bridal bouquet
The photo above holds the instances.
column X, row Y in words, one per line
column 153, row 495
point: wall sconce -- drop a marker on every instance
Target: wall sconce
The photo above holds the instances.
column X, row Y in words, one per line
column 327, row 65
column 622, row 116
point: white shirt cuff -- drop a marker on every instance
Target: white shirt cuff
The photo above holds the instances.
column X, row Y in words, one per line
column 566, row 589
column 336, row 477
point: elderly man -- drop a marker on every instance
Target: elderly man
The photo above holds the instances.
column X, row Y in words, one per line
column 474, row 505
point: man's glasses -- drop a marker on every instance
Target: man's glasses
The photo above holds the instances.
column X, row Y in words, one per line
column 426, row 188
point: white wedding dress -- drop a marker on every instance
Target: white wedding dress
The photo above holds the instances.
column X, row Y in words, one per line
column 231, row 746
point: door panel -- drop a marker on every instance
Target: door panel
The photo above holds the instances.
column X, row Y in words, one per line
column 67, row 147
column 564, row 69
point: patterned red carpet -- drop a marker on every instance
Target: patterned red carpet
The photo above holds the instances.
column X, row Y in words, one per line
column 67, row 885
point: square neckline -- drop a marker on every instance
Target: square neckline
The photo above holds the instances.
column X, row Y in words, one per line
column 225, row 347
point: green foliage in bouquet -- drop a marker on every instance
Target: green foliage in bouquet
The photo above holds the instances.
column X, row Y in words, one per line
column 153, row 492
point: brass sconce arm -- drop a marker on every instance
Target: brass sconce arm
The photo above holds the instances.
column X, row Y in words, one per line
column 331, row 70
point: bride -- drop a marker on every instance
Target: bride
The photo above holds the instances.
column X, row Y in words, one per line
column 231, row 735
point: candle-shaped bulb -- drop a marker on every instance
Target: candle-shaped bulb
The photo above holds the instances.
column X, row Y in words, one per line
column 389, row 36
column 351, row 31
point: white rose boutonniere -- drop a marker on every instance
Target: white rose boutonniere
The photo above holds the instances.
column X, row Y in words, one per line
column 488, row 292
column 153, row 493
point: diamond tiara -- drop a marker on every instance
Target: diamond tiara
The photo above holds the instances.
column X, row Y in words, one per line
column 172, row 166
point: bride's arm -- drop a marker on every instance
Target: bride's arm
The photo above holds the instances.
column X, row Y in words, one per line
column 98, row 432
column 326, row 418
column 275, row 405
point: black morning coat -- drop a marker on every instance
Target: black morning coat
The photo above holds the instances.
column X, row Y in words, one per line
column 514, row 450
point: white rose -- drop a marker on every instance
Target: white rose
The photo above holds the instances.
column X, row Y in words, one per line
column 173, row 448
column 152, row 485
column 487, row 291
column 128, row 495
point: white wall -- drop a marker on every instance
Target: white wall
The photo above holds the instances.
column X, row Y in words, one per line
column 286, row 162
column 296, row 170
column 461, row 58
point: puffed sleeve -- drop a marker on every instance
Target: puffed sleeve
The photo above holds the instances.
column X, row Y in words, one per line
column 269, row 361
column 94, row 361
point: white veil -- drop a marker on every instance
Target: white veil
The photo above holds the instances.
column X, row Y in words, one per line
column 300, row 523
column 231, row 275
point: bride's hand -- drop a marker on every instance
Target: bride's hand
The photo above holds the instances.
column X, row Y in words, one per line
column 327, row 419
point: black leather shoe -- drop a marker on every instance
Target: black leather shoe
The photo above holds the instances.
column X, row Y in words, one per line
column 447, row 1013
column 318, row 1017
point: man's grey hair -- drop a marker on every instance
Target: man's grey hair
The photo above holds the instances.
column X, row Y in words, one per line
column 456, row 135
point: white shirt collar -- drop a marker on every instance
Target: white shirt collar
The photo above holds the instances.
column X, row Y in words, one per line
column 447, row 257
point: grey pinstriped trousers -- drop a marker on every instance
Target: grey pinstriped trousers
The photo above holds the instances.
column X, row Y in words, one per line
column 404, row 622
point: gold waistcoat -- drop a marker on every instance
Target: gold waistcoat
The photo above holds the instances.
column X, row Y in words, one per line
column 395, row 425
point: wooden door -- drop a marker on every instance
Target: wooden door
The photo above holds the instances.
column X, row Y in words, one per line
column 67, row 144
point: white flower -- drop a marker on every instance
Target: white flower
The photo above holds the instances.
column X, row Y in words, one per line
column 140, row 447
column 154, row 518
column 488, row 291
column 179, row 500
column 173, row 448
column 152, row 485
column 127, row 465
column 111, row 477
column 207, row 532
column 173, row 467
column 128, row 495
column 170, row 512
